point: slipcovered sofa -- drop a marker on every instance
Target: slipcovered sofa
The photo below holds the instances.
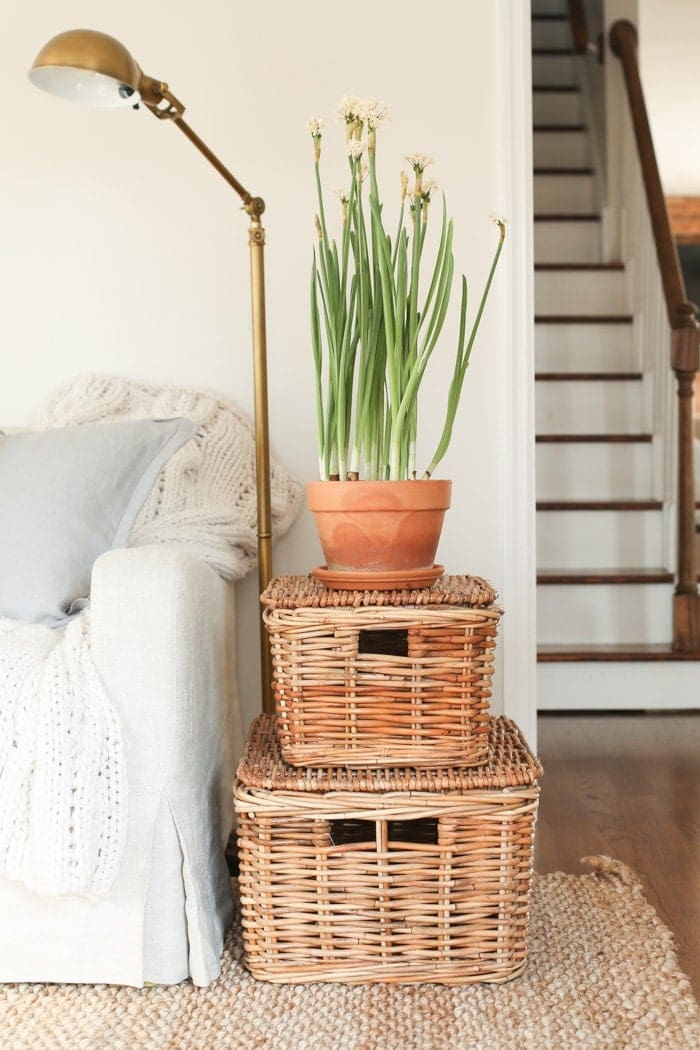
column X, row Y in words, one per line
column 162, row 635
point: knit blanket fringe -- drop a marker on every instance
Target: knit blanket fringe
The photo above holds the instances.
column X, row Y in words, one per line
column 62, row 780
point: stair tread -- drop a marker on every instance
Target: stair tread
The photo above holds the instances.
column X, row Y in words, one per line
column 551, row 88
column 583, row 377
column 595, row 439
column 584, row 318
column 559, row 127
column 609, row 266
column 549, row 170
column 605, row 504
column 604, row 576
column 569, row 217
column 609, row 653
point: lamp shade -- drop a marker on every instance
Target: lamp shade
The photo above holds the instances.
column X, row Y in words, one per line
column 83, row 65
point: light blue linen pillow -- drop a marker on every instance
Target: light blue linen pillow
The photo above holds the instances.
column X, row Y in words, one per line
column 66, row 496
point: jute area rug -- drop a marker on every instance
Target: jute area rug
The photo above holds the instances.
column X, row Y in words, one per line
column 602, row 973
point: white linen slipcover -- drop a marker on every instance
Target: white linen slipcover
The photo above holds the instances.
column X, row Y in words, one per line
column 163, row 642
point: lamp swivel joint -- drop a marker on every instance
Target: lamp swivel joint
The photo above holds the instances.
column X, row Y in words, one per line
column 255, row 206
column 160, row 100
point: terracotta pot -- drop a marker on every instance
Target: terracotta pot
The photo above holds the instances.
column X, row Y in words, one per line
column 379, row 526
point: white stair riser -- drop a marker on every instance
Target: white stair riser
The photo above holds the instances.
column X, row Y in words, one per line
column 557, row 107
column 643, row 685
column 580, row 292
column 561, row 149
column 577, row 242
column 599, row 539
column 583, row 347
column 553, row 69
column 564, row 194
column 593, row 407
column 551, row 34
column 604, row 614
column 594, row 471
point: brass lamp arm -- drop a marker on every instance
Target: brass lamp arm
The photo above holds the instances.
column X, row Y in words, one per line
column 158, row 98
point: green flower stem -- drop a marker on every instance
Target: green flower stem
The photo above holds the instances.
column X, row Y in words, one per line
column 318, row 362
column 416, row 252
column 399, row 228
column 319, row 195
column 387, row 288
column 438, row 262
column 462, row 362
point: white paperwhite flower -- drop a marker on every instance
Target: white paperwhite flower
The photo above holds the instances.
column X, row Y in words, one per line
column 355, row 148
column 342, row 194
column 419, row 161
column 315, row 127
column 348, row 109
column 372, row 112
column 404, row 184
column 428, row 188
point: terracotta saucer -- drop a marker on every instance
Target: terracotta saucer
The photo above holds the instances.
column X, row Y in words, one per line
column 410, row 579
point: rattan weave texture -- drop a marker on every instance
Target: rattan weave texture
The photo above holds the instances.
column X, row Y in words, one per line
column 405, row 681
column 394, row 886
column 509, row 763
column 299, row 592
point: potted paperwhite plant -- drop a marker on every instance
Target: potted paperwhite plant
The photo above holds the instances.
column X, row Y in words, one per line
column 376, row 319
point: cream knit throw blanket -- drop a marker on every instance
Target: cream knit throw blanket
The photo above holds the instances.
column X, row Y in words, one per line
column 205, row 498
column 62, row 780
column 62, row 789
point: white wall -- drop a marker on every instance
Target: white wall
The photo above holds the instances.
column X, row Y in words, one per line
column 122, row 251
column 669, row 42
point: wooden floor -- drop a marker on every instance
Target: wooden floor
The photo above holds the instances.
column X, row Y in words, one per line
column 628, row 785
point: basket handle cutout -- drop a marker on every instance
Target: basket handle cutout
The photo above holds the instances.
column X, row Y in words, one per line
column 345, row 832
column 420, row 832
column 423, row 831
column 383, row 641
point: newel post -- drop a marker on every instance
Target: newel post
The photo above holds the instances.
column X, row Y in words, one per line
column 686, row 602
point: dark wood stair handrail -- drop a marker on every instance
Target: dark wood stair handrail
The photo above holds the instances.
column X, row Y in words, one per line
column 685, row 337
column 579, row 27
column 681, row 313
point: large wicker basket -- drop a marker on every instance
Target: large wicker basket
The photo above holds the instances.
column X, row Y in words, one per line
column 382, row 678
column 386, row 875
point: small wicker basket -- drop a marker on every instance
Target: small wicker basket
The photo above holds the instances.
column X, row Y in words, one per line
column 382, row 678
column 386, row 875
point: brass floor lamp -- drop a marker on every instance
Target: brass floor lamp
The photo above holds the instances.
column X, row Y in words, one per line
column 86, row 66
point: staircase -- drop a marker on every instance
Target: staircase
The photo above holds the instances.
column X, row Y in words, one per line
column 605, row 588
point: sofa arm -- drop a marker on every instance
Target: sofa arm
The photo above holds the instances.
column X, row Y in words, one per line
column 162, row 634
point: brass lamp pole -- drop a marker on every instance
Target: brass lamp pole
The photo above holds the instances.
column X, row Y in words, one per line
column 86, row 66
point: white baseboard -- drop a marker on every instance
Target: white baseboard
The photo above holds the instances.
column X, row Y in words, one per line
column 625, row 686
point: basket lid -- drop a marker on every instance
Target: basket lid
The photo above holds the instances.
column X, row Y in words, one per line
column 299, row 592
column 510, row 764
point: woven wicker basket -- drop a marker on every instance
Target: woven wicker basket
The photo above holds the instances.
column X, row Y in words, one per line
column 386, row 875
column 382, row 678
